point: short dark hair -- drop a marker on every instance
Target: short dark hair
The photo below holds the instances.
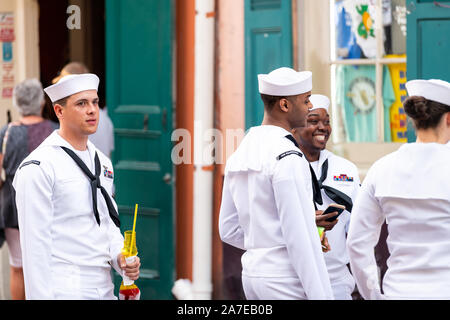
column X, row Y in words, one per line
column 425, row 113
column 61, row 102
column 269, row 100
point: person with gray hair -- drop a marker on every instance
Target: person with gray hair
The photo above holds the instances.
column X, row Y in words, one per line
column 28, row 97
column 17, row 140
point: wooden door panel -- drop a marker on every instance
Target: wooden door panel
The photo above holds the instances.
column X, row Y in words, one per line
column 139, row 99
column 268, row 45
column 427, row 40
column 434, row 49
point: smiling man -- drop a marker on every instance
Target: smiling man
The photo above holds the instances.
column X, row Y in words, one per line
column 338, row 182
column 69, row 226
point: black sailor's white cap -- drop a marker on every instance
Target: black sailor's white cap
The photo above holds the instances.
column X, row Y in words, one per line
column 285, row 82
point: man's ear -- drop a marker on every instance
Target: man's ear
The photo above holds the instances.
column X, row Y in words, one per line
column 283, row 104
column 58, row 110
column 448, row 119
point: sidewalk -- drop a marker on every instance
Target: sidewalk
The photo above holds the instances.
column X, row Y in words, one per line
column 4, row 273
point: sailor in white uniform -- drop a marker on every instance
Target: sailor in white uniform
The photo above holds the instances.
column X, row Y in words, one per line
column 410, row 188
column 267, row 206
column 69, row 226
column 337, row 182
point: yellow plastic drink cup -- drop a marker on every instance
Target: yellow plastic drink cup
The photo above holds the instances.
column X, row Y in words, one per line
column 129, row 244
column 130, row 252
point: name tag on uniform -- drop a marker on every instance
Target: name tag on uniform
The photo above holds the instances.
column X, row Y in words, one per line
column 343, row 177
column 107, row 173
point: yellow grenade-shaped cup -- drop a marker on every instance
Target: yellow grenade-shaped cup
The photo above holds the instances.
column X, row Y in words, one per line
column 130, row 252
column 128, row 290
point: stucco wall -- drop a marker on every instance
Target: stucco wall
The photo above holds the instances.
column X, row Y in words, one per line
column 25, row 47
column 313, row 19
column 230, row 69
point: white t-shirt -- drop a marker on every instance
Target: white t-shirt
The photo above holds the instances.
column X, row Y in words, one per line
column 86, row 157
column 315, row 166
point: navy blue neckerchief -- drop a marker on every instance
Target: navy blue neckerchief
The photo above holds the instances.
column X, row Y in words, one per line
column 95, row 183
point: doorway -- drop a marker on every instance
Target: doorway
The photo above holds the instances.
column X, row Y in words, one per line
column 58, row 45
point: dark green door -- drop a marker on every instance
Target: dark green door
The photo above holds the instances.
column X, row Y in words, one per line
column 139, row 37
column 268, row 45
column 427, row 42
column 428, row 39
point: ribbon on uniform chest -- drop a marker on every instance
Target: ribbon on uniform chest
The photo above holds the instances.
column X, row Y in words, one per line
column 334, row 194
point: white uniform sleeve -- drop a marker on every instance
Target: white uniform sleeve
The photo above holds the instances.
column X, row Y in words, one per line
column 116, row 239
column 114, row 233
column 229, row 228
column 364, row 232
column 297, row 218
column 34, row 186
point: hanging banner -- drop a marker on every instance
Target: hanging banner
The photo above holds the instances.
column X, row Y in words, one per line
column 362, row 13
column 7, row 38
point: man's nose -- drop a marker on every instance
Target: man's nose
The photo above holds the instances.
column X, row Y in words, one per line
column 91, row 107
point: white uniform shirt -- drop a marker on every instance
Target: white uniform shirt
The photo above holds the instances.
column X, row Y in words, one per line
column 267, row 210
column 63, row 247
column 411, row 188
column 337, row 259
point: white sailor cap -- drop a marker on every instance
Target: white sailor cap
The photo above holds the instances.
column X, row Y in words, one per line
column 285, row 82
column 433, row 89
column 319, row 101
column 72, row 84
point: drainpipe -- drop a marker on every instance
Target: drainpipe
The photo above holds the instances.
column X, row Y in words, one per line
column 203, row 164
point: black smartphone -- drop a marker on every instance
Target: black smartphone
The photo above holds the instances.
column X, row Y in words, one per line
column 333, row 208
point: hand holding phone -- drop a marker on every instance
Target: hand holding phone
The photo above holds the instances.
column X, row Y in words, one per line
column 321, row 220
column 333, row 208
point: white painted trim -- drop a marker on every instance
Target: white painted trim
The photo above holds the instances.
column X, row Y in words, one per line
column 203, row 121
